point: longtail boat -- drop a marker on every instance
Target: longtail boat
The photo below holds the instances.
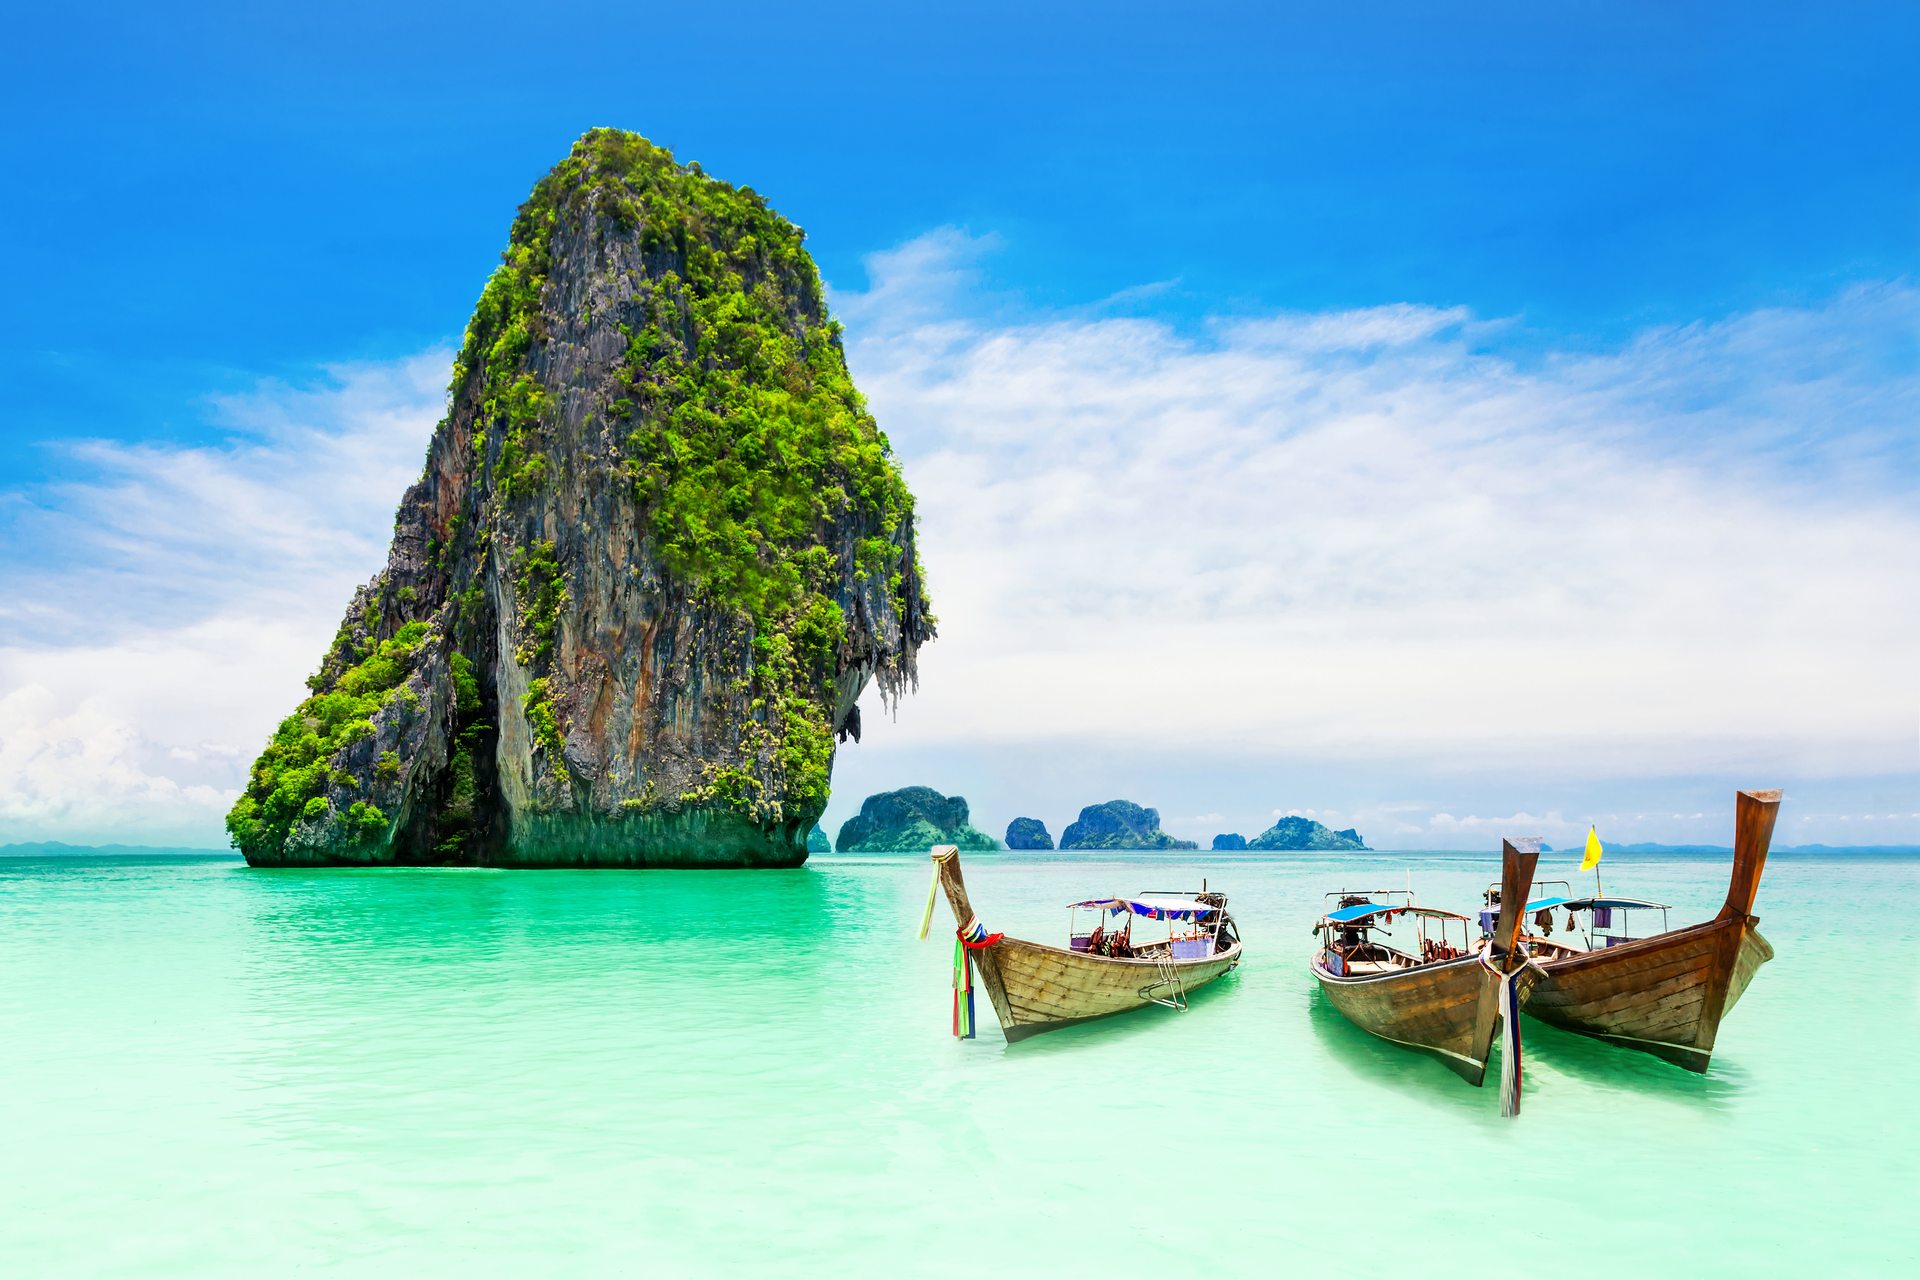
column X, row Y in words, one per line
column 1664, row 994
column 1447, row 1000
column 1105, row 970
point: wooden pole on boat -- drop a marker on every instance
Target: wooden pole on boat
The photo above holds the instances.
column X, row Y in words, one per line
column 1753, row 816
column 1518, row 858
column 946, row 865
column 933, row 893
column 1754, row 813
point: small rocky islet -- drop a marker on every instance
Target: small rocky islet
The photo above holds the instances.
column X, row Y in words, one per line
column 1119, row 824
column 915, row 819
column 1028, row 833
column 1300, row 834
column 911, row 820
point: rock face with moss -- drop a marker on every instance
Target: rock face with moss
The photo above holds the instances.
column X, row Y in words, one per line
column 658, row 549
column 1028, row 833
column 1297, row 833
column 1119, row 824
column 910, row 820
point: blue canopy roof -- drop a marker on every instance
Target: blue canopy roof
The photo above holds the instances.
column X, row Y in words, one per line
column 1361, row 911
column 1152, row 906
column 1587, row 904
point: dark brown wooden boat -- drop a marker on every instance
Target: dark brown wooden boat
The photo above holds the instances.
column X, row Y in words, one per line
column 1035, row 987
column 1666, row 994
column 1446, row 1000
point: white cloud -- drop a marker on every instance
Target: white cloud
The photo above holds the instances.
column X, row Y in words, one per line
column 1361, row 536
column 67, row 766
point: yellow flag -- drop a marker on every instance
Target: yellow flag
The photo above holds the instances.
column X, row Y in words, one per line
column 1594, row 851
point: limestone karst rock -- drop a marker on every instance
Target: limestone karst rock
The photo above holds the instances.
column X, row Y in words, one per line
column 1231, row 840
column 910, row 820
column 1298, row 833
column 1119, row 824
column 658, row 549
column 1028, row 833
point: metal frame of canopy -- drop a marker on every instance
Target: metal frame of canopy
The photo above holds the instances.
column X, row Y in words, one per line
column 1591, row 930
column 1153, row 905
column 1368, row 916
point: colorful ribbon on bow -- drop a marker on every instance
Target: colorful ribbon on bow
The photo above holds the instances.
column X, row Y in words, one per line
column 972, row 936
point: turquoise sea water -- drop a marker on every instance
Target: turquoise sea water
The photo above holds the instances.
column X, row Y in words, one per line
column 211, row 1070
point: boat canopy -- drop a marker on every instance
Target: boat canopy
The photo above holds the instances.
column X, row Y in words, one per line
column 1588, row 904
column 1366, row 910
column 1154, row 906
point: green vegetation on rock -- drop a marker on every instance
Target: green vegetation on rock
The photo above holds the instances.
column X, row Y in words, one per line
column 289, row 781
column 742, row 437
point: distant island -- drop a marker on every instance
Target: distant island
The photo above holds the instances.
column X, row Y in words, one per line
column 911, row 820
column 1297, row 834
column 1119, row 824
column 817, row 841
column 1228, row 842
column 1028, row 833
column 57, row 849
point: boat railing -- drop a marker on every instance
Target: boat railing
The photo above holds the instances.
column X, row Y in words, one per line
column 1382, row 896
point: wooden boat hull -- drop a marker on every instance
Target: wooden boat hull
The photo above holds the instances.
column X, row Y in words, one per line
column 1449, row 1010
column 1663, row 995
column 1034, row 987
column 1041, row 988
column 1666, row 995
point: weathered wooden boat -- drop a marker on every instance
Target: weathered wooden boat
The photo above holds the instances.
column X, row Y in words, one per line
column 1447, row 999
column 1035, row 987
column 1665, row 994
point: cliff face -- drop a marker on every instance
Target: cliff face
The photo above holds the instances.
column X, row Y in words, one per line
column 658, row 549
column 1297, row 833
column 910, row 820
column 1119, row 824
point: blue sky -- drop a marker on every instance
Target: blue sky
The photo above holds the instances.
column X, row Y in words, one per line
column 1672, row 243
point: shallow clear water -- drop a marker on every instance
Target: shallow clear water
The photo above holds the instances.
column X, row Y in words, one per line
column 214, row 1070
